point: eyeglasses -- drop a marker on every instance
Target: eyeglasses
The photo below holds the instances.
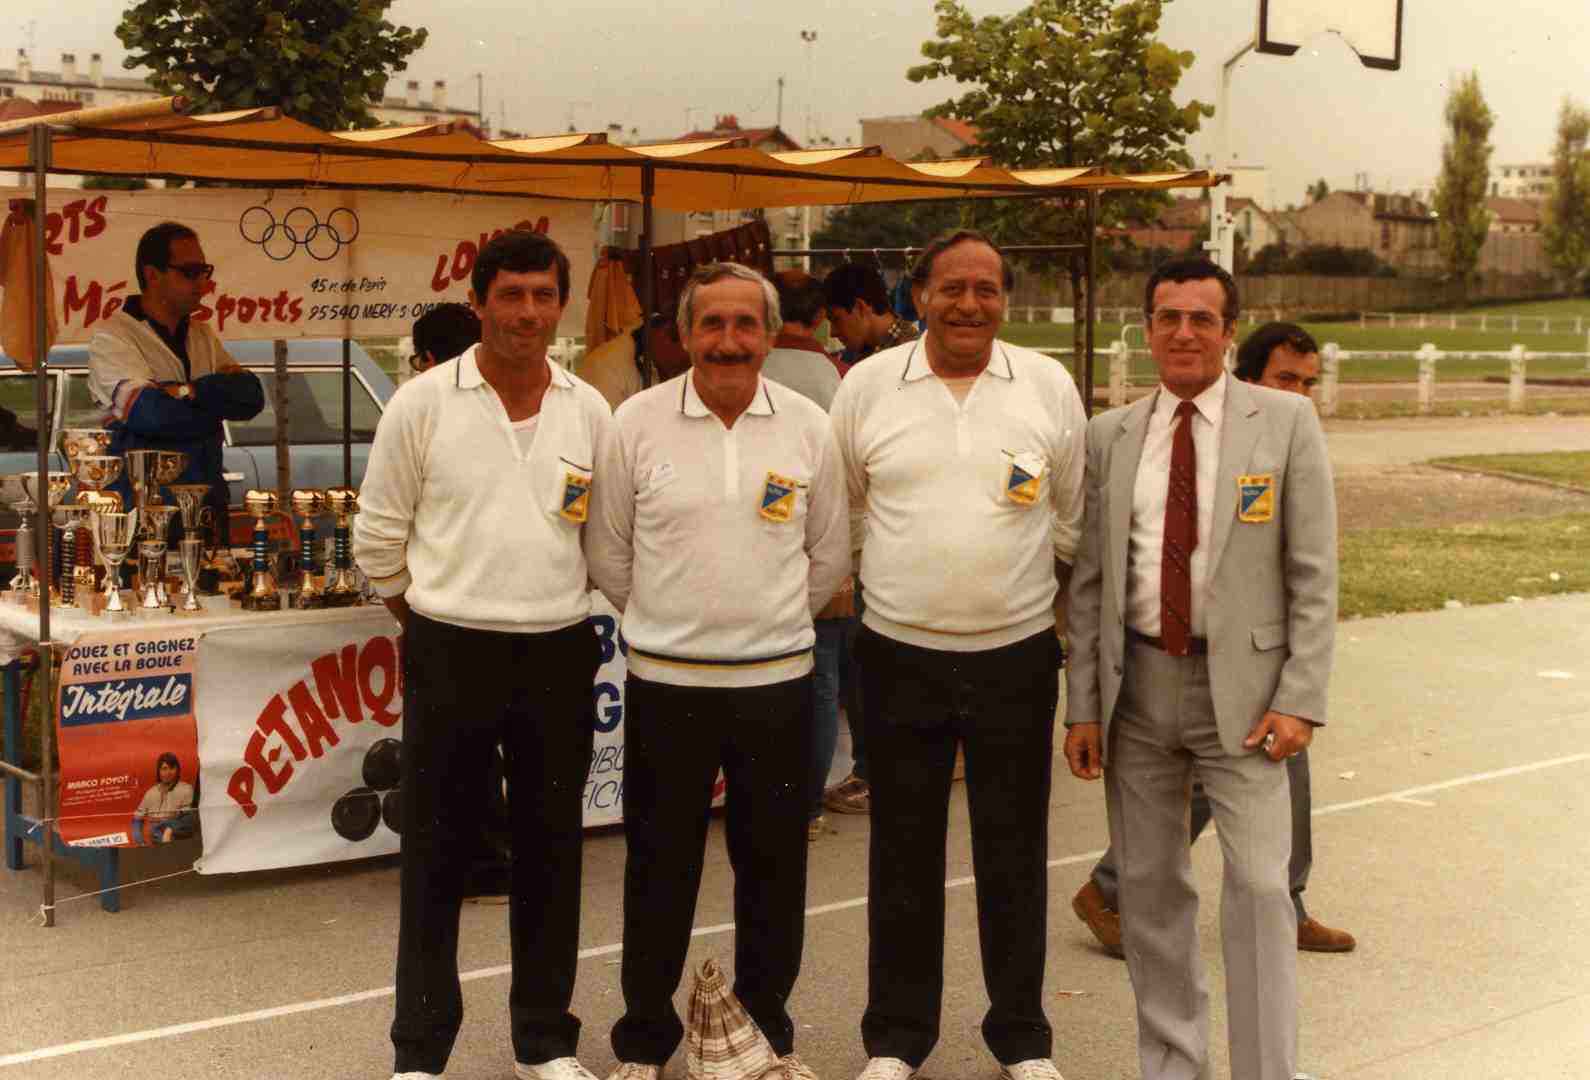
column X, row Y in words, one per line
column 1168, row 320
column 193, row 271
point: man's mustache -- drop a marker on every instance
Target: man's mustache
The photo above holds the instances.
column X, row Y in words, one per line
column 728, row 358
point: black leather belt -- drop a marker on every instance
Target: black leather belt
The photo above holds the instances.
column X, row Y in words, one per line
column 1195, row 646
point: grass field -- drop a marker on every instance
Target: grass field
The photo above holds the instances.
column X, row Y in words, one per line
column 1567, row 467
column 1392, row 570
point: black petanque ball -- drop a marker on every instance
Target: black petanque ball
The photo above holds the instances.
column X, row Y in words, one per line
column 383, row 764
column 356, row 814
column 392, row 811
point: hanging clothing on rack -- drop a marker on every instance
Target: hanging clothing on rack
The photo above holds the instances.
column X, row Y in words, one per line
column 614, row 308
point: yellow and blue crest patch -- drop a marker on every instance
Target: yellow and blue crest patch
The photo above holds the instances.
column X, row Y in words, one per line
column 1256, row 497
column 1022, row 485
column 778, row 497
column 576, row 498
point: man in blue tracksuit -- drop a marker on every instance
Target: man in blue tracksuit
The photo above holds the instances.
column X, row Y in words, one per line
column 165, row 380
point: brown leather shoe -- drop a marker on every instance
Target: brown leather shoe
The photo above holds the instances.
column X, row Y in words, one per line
column 1104, row 921
column 1314, row 936
column 852, row 795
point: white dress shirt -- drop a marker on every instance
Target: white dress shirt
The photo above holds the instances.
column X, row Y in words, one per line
column 719, row 543
column 1148, row 507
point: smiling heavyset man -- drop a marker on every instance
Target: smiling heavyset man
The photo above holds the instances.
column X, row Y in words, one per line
column 963, row 455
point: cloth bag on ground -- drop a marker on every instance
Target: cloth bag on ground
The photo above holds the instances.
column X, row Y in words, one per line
column 722, row 1042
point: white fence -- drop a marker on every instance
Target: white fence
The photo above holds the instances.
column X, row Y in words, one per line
column 1499, row 323
column 1514, row 361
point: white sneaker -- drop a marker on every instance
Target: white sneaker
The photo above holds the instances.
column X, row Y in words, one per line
column 416, row 1076
column 790, row 1067
column 634, row 1070
column 1031, row 1069
column 563, row 1068
column 886, row 1069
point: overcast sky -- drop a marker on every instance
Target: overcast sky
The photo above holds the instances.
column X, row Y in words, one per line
column 666, row 68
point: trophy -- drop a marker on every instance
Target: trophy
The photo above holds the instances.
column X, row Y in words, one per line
column 342, row 590
column 262, row 594
column 192, row 549
column 156, row 520
column 309, row 502
column 84, row 442
column 94, row 472
column 55, row 487
column 141, row 475
column 11, row 491
column 77, row 515
column 190, row 502
column 114, row 532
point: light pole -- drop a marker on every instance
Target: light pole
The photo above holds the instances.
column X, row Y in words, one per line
column 809, row 37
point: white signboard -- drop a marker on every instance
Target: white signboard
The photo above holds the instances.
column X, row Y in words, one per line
column 300, row 734
column 293, row 263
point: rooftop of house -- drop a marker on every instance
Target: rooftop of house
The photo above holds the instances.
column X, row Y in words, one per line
column 728, row 127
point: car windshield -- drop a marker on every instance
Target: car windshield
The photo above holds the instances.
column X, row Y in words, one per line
column 314, row 411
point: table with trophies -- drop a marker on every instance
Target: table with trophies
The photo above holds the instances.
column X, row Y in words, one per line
column 273, row 675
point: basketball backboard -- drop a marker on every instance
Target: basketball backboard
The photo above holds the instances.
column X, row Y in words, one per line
column 1371, row 28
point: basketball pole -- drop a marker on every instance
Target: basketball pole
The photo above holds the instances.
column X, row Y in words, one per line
column 1222, row 235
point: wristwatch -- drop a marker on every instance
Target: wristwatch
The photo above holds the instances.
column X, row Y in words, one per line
column 182, row 392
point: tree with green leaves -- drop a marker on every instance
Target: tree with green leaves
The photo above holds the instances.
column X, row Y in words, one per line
column 1463, row 221
column 323, row 61
column 1567, row 211
column 1064, row 83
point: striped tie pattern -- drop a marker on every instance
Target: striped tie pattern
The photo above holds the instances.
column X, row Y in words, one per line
column 1181, row 536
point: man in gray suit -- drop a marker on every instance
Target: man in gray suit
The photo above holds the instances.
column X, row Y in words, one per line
column 1202, row 621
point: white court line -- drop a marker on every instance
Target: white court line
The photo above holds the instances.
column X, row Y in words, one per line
column 27, row 1057
column 1408, row 800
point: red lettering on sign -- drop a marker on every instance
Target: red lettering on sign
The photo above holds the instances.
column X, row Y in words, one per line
column 318, row 733
column 95, row 301
column 256, row 758
column 337, row 682
column 273, row 721
column 379, row 655
column 241, row 788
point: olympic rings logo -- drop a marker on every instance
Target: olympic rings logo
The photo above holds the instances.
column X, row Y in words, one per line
column 300, row 227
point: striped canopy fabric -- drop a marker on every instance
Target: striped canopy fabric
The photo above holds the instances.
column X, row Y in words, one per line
column 262, row 147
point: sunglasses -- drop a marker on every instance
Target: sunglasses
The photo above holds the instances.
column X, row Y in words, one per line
column 193, row 271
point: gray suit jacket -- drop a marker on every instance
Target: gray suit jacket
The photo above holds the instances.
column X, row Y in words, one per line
column 1271, row 616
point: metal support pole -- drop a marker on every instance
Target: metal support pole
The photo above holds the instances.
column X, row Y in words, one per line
column 39, row 151
column 347, row 413
column 1090, row 275
column 648, row 283
column 1221, row 243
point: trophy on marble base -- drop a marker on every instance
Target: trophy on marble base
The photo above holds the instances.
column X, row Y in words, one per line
column 262, row 594
column 309, row 502
column 11, row 491
column 342, row 590
column 192, row 550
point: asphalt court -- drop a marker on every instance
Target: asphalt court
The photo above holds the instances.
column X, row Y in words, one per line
column 1452, row 795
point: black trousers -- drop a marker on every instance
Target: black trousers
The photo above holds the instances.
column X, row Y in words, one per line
column 466, row 690
column 999, row 706
column 675, row 740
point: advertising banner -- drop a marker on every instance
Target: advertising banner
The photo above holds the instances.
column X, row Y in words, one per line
column 129, row 754
column 299, row 263
column 604, row 784
column 299, row 743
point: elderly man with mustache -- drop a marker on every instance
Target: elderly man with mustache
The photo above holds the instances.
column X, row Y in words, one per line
column 719, row 530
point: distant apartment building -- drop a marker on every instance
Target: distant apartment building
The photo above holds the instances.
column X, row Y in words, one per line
column 1530, row 181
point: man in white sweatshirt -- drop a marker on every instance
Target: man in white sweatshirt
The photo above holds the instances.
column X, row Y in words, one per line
column 964, row 457
column 718, row 528
column 470, row 527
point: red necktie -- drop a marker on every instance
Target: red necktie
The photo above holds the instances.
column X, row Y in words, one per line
column 1181, row 536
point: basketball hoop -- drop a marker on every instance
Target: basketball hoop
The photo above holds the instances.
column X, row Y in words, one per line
column 1371, row 28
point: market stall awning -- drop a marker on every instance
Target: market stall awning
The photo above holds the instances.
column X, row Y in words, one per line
column 263, row 147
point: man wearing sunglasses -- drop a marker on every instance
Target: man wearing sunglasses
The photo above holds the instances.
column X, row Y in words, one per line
column 164, row 379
